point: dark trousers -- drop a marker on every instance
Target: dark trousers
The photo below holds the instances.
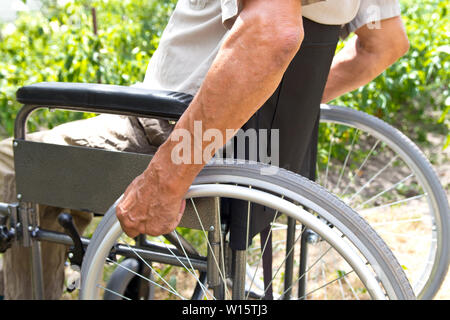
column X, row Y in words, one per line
column 294, row 110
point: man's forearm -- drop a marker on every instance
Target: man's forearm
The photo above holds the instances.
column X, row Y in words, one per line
column 366, row 56
column 350, row 71
column 245, row 73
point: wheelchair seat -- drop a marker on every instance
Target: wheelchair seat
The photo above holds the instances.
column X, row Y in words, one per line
column 101, row 98
column 83, row 178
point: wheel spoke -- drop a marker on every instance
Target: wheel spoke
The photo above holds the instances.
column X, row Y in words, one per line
column 349, row 201
column 145, row 278
column 324, row 279
column 397, row 222
column 282, row 263
column 192, row 270
column 351, row 288
column 149, row 266
column 112, row 291
column 346, row 160
column 361, row 166
column 405, row 235
column 326, row 284
column 373, row 209
column 341, row 288
column 328, row 162
column 384, row 191
column 261, row 256
column 307, row 270
column 318, row 179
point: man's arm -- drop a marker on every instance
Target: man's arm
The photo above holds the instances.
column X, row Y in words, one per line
column 247, row 70
column 365, row 56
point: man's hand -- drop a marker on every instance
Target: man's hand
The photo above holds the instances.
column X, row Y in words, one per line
column 149, row 207
column 245, row 73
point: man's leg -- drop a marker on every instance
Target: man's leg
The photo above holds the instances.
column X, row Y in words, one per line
column 16, row 268
column 105, row 132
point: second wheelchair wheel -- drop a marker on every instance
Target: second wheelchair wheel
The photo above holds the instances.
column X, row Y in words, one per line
column 123, row 282
column 347, row 261
column 381, row 174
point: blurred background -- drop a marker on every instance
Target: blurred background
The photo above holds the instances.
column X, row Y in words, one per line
column 111, row 42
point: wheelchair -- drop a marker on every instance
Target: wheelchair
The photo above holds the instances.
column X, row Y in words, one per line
column 316, row 246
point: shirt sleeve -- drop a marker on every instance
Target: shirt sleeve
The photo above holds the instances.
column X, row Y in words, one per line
column 371, row 11
column 231, row 9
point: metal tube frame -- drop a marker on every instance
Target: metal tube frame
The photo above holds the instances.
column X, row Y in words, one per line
column 239, row 273
column 214, row 258
column 149, row 251
column 30, row 235
column 303, row 264
column 289, row 265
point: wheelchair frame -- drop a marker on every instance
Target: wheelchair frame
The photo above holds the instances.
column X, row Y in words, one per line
column 98, row 182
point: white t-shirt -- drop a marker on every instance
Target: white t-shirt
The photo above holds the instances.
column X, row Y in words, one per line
column 197, row 28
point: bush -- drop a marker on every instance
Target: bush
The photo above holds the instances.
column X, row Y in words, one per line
column 413, row 93
column 59, row 44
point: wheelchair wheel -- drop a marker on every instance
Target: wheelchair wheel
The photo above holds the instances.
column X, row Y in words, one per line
column 381, row 174
column 348, row 260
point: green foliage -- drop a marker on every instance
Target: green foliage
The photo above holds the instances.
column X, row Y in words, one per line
column 59, row 44
column 413, row 94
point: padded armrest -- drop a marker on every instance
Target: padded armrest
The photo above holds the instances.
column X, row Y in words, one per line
column 105, row 98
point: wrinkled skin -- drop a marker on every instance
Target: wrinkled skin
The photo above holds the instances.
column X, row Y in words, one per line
column 247, row 70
